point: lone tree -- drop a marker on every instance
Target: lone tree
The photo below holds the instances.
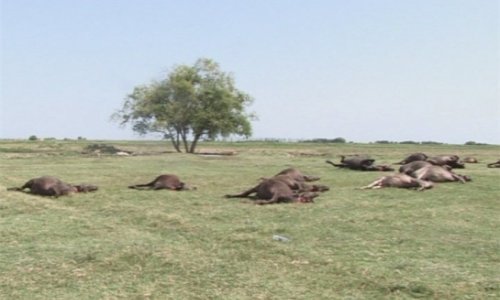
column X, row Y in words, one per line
column 192, row 102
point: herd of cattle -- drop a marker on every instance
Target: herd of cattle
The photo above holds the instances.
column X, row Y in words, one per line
column 417, row 171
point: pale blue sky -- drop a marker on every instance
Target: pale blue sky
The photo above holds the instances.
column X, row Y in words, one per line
column 365, row 70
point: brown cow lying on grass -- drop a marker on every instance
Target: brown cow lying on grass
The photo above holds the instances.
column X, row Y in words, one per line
column 439, row 174
column 447, row 160
column 413, row 166
column 299, row 186
column 52, row 186
column 165, row 181
column 287, row 186
column 297, row 175
column 439, row 160
column 400, row 181
column 420, row 175
column 413, row 157
column 275, row 191
column 470, row 160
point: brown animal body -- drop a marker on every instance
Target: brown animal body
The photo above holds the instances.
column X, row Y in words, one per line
column 413, row 166
column 449, row 160
column 470, row 160
column 52, row 186
column 383, row 168
column 299, row 186
column 165, row 181
column 413, row 157
column 494, row 165
column 274, row 191
column 438, row 174
column 362, row 163
column 400, row 181
column 297, row 175
column 353, row 162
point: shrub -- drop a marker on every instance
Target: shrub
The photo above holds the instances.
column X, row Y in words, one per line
column 102, row 148
column 409, row 142
column 470, row 143
column 431, row 143
column 33, row 138
column 339, row 140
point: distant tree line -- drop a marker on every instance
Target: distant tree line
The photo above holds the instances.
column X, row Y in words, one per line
column 338, row 140
column 35, row 138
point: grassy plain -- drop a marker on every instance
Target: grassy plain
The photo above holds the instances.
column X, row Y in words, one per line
column 119, row 243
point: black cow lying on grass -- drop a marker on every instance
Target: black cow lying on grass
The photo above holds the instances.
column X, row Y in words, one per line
column 358, row 162
column 165, row 181
column 494, row 165
column 52, row 186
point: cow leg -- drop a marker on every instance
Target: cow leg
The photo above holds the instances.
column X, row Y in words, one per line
column 458, row 178
column 244, row 194
column 139, row 186
column 334, row 164
column 424, row 185
column 374, row 185
column 311, row 178
column 274, row 199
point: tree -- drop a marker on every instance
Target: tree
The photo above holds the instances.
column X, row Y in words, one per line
column 191, row 103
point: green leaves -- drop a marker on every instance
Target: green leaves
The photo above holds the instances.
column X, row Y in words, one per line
column 192, row 102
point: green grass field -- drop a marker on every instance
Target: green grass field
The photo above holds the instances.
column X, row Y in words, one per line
column 119, row 243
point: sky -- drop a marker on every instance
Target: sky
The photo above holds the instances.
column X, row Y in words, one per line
column 364, row 70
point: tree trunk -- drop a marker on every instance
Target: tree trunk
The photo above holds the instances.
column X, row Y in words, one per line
column 175, row 142
column 194, row 143
column 184, row 141
column 176, row 146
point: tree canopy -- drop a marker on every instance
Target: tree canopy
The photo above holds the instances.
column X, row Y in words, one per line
column 190, row 103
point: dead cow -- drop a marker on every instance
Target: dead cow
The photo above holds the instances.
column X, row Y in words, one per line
column 353, row 162
column 494, row 165
column 438, row 174
column 413, row 166
column 358, row 162
column 413, row 157
column 275, row 191
column 297, row 175
column 449, row 160
column 165, row 181
column 299, row 186
column 52, row 186
column 400, row 181
column 470, row 160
